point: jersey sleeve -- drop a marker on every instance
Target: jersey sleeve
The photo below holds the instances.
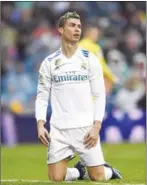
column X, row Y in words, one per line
column 43, row 91
column 97, row 87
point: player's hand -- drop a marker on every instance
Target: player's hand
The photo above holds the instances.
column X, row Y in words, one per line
column 91, row 138
column 43, row 134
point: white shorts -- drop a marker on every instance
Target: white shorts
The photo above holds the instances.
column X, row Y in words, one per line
column 64, row 143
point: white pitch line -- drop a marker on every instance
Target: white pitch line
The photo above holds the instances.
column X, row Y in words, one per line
column 79, row 182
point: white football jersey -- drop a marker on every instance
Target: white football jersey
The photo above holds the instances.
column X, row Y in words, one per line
column 70, row 84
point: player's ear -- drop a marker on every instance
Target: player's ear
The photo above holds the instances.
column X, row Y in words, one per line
column 60, row 30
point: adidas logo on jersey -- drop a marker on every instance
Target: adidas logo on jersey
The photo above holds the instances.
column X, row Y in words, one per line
column 58, row 62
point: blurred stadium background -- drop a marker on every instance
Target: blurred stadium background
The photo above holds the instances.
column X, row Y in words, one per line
column 28, row 35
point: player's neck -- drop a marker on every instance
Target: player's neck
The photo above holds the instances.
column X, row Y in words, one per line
column 68, row 49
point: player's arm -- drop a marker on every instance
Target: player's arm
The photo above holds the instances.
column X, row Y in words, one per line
column 97, row 88
column 43, row 92
column 98, row 92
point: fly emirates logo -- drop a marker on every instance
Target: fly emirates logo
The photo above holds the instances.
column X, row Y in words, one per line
column 70, row 76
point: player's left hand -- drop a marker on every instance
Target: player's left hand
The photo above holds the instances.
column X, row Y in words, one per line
column 91, row 138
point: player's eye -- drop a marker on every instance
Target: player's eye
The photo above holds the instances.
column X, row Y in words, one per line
column 72, row 25
column 79, row 26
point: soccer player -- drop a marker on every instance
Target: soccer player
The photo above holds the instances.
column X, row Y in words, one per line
column 69, row 77
column 91, row 35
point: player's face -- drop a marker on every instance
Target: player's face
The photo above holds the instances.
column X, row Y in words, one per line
column 95, row 34
column 72, row 30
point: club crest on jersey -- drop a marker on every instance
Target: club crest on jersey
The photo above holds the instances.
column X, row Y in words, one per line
column 84, row 65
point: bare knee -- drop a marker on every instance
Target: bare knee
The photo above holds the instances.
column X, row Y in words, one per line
column 97, row 176
column 96, row 173
column 57, row 171
column 56, row 177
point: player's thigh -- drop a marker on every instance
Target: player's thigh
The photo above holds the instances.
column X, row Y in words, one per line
column 57, row 171
column 59, row 147
column 93, row 156
column 96, row 173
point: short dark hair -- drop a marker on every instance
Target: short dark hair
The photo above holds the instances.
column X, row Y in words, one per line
column 66, row 16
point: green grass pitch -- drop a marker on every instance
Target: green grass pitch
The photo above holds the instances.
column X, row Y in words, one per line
column 26, row 163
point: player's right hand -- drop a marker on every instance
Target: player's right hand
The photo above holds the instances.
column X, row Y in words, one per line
column 43, row 135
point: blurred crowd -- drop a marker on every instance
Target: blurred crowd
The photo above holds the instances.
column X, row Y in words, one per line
column 28, row 35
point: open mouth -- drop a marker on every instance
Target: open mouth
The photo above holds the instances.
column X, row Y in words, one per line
column 76, row 35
